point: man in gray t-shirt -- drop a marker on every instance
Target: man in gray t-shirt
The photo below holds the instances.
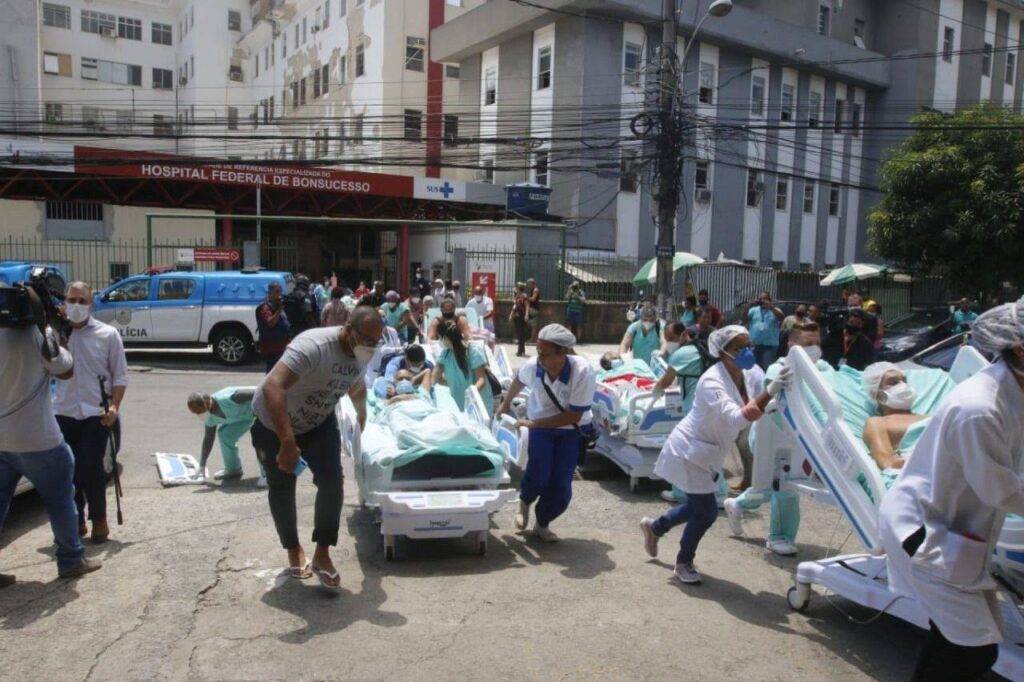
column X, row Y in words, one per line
column 294, row 407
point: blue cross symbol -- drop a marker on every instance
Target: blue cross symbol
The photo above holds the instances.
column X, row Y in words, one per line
column 447, row 189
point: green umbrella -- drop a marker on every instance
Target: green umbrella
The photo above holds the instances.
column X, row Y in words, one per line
column 648, row 274
column 852, row 273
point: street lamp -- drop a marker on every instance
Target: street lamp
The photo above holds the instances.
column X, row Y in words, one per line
column 668, row 196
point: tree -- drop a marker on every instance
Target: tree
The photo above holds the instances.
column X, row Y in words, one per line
column 953, row 199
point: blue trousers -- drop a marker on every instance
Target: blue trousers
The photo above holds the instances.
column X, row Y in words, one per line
column 52, row 473
column 698, row 513
column 765, row 356
column 553, row 454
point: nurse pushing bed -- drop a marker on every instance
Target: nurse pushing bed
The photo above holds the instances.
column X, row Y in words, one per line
column 729, row 396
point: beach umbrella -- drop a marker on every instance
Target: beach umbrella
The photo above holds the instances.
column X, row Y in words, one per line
column 852, row 273
column 648, row 274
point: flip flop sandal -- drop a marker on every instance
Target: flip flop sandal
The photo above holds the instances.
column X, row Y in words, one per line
column 327, row 578
column 300, row 572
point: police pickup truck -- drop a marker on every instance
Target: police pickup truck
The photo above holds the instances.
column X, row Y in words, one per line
column 190, row 310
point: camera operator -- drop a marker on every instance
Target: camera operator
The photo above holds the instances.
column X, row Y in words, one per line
column 98, row 352
column 31, row 444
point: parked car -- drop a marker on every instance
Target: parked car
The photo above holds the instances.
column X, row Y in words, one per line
column 12, row 271
column 190, row 309
column 911, row 333
column 942, row 354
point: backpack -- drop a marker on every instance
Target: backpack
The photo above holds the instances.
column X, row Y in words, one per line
column 295, row 308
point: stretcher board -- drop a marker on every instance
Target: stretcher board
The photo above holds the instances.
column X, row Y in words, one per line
column 514, row 440
column 176, row 469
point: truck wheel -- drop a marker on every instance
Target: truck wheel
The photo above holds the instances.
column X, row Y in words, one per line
column 231, row 346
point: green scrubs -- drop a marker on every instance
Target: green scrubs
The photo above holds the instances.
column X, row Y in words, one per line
column 235, row 423
column 458, row 381
column 645, row 344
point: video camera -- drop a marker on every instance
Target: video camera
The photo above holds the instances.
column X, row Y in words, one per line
column 32, row 303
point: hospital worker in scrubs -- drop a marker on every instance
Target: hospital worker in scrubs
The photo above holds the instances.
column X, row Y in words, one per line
column 561, row 392
column 940, row 521
column 227, row 416
column 784, row 520
column 729, row 396
column 643, row 337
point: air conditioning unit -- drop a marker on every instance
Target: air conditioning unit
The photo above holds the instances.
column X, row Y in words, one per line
column 315, row 28
column 182, row 81
column 235, row 74
column 108, row 32
column 703, row 196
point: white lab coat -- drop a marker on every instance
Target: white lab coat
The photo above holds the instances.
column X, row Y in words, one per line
column 963, row 479
column 695, row 451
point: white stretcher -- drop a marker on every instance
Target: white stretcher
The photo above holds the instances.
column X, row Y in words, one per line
column 444, row 506
column 178, row 469
column 632, row 426
column 824, row 461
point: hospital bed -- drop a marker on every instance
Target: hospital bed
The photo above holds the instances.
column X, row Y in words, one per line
column 812, row 450
column 429, row 470
column 631, row 425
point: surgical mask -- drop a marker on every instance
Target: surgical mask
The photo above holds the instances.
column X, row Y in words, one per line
column 648, row 326
column 899, row 397
column 393, row 305
column 77, row 312
column 616, row 363
column 672, row 346
column 415, row 299
column 202, row 416
column 404, row 387
column 364, row 354
column 415, row 369
column 744, row 359
column 813, row 352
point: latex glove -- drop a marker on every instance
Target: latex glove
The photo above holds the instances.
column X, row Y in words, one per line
column 783, row 380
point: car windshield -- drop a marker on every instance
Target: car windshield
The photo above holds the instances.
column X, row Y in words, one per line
column 918, row 319
column 942, row 355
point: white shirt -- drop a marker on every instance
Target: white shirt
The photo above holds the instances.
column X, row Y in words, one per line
column 482, row 308
column 573, row 387
column 98, row 351
column 696, row 449
column 964, row 477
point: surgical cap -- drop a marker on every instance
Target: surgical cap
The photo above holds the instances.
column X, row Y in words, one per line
column 1001, row 328
column 721, row 338
column 392, row 295
column 873, row 375
column 558, row 335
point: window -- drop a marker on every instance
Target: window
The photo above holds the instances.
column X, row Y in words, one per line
column 51, row 63
column 295, row 94
column 234, row 72
column 119, row 271
column 163, row 79
column 54, row 112
column 701, row 177
column 129, row 28
column 163, row 126
column 786, row 110
column 297, row 35
column 161, row 34
column 325, row 77
column 809, row 188
column 360, row 3
column 357, row 130
column 232, row 118
column 57, row 16
column 833, row 199
column 326, row 15
column 631, row 62
column 707, row 83
column 755, row 185
column 948, row 38
column 540, row 168
column 781, row 194
column 544, row 67
column 413, row 124
column 855, row 119
column 257, row 65
column 451, row 71
column 813, row 109
column 490, row 86
column 454, row 3
column 414, row 53
column 270, row 107
column 1011, row 67
column 137, row 290
column 316, row 83
column 450, row 129
column 628, row 175
column 191, row 66
column 757, row 89
column 88, row 68
column 111, row 72
column 824, row 20
column 342, row 70
column 341, row 137
column 91, row 117
column 302, row 91
column 360, row 61
column 840, row 106
column 234, row 20
column 98, row 22
column 986, row 60
column 284, row 44
column 175, row 289
column 342, row 7
column 859, row 27
column 488, row 170
column 305, row 29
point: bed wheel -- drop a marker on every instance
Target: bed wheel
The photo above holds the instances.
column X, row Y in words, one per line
column 799, row 597
column 634, row 484
column 389, row 547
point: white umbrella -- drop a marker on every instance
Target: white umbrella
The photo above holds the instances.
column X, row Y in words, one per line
column 853, row 272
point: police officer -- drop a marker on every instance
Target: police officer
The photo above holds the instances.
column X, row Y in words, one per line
column 561, row 391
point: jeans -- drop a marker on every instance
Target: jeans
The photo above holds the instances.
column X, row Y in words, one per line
column 88, row 440
column 522, row 334
column 271, row 359
column 52, row 473
column 321, row 448
column 941, row 659
column 765, row 356
column 698, row 513
column 553, row 455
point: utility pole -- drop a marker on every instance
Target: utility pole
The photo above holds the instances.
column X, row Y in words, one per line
column 669, row 149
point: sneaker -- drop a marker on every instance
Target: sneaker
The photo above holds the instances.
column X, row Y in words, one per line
column 261, row 482
column 84, row 566
column 544, row 533
column 687, row 574
column 227, row 474
column 781, row 547
column 669, row 497
column 523, row 515
column 735, row 516
column 650, row 537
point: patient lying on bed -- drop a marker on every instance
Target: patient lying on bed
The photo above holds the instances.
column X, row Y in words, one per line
column 886, row 385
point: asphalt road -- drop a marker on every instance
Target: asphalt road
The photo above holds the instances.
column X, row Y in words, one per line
column 190, row 587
